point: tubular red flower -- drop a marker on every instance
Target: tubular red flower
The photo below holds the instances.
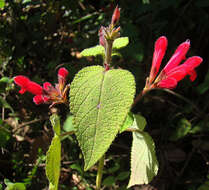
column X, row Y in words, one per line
column 22, row 81
column 159, row 52
column 27, row 85
column 178, row 56
column 172, row 73
column 179, row 72
column 47, row 94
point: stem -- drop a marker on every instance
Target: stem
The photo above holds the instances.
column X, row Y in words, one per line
column 108, row 52
column 99, row 172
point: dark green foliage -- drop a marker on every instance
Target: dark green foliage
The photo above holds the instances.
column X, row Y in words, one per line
column 37, row 37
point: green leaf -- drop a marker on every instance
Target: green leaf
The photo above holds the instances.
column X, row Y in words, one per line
column 53, row 158
column 2, row 4
column 120, row 42
column 109, row 181
column 93, row 51
column 139, row 122
column 204, row 186
column 55, row 121
column 144, row 164
column 5, row 104
column 182, row 129
column 14, row 186
column 5, row 79
column 26, row 1
column 4, row 137
column 99, row 101
column 128, row 122
column 122, row 176
column 145, row 1
column 68, row 124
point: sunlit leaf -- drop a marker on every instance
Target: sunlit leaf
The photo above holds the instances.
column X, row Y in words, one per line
column 68, row 124
column 93, row 51
column 55, row 121
column 2, row 4
column 99, row 101
column 144, row 164
column 120, row 42
column 53, row 158
column 128, row 122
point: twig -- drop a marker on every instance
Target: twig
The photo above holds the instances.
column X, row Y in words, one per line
column 27, row 123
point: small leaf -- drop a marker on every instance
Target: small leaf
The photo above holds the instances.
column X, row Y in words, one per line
column 76, row 167
column 5, row 79
column 122, row 176
column 68, row 124
column 15, row 186
column 5, row 104
column 99, row 101
column 128, row 122
column 26, row 1
column 93, row 51
column 4, row 137
column 53, row 158
column 2, row 4
column 145, row 1
column 55, row 121
column 204, row 186
column 144, row 164
column 120, row 42
column 140, row 121
column 182, row 129
column 109, row 181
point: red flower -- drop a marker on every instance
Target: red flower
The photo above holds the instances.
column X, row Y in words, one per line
column 173, row 72
column 47, row 93
column 27, row 85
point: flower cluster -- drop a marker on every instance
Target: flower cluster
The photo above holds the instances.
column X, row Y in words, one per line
column 48, row 93
column 173, row 72
column 110, row 32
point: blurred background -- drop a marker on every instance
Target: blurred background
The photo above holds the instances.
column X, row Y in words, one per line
column 37, row 37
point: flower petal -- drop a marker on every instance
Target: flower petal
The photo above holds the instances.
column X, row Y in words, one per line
column 193, row 75
column 178, row 56
column 38, row 99
column 21, row 81
column 62, row 72
column 34, row 88
column 167, row 83
column 159, row 52
column 47, row 86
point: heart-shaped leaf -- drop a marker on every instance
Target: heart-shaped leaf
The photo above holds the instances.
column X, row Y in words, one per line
column 99, row 101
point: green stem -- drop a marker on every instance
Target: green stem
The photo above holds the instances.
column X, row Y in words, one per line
column 99, row 172
column 108, row 52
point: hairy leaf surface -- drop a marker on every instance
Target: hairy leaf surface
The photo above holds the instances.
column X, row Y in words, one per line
column 120, row 42
column 144, row 164
column 99, row 101
column 93, row 51
column 53, row 158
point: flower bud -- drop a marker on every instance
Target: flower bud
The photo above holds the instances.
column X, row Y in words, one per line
column 102, row 40
column 115, row 16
